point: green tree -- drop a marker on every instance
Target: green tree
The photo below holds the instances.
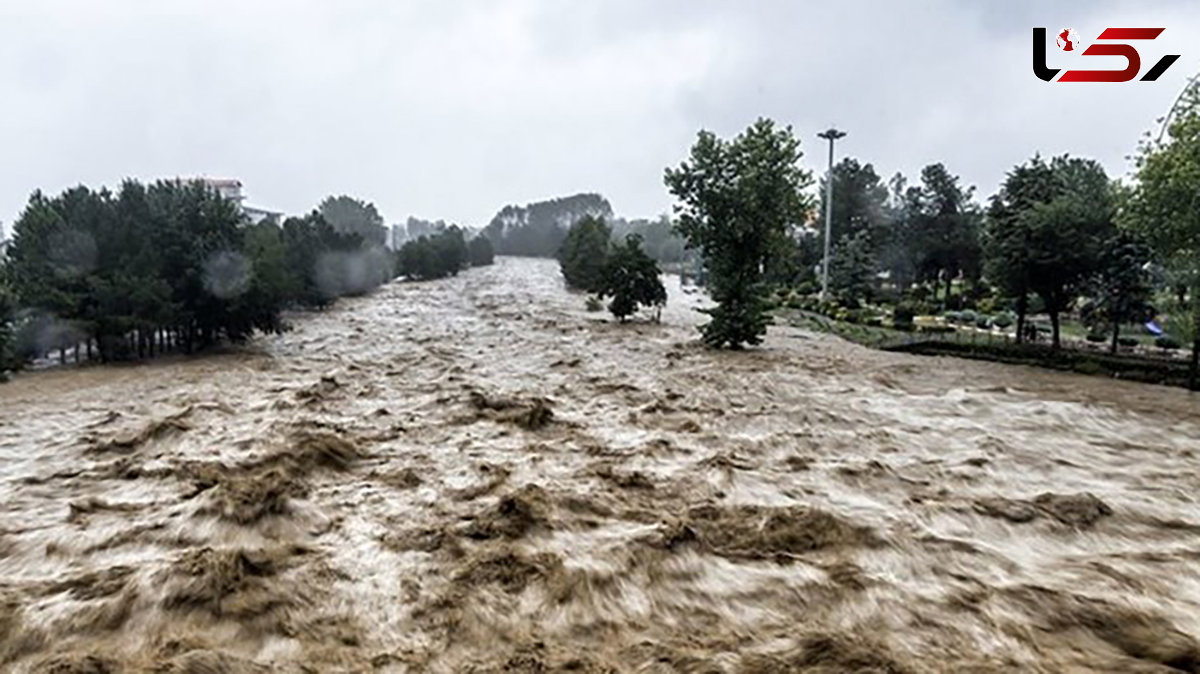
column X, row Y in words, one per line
column 1165, row 205
column 584, row 253
column 348, row 215
column 1045, row 230
column 538, row 229
column 852, row 268
column 451, row 250
column 1122, row 287
column 943, row 228
column 859, row 200
column 1007, row 241
column 631, row 278
column 8, row 327
column 480, row 251
column 737, row 201
column 432, row 257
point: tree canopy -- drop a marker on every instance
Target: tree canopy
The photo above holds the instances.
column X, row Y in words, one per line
column 584, row 252
column 538, row 229
column 631, row 279
column 1165, row 205
column 169, row 265
column 348, row 215
column 432, row 257
column 1045, row 230
column 737, row 202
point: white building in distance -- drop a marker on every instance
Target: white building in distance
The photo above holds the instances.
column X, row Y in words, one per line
column 232, row 189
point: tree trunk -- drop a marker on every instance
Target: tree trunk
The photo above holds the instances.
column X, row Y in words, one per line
column 1116, row 332
column 1022, row 306
column 1054, row 326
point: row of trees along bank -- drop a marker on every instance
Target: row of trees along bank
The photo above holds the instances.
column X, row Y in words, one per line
column 1059, row 236
column 174, row 266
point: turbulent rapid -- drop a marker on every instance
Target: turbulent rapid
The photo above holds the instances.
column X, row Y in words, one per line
column 476, row 474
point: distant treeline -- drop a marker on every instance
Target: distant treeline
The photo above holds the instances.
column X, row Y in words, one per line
column 442, row 254
column 539, row 229
column 174, row 266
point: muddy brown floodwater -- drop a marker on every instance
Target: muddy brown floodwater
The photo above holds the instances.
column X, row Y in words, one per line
column 478, row 475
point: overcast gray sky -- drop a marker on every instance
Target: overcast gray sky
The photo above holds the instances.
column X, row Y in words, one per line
column 452, row 109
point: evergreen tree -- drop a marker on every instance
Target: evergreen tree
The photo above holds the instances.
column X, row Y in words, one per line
column 943, row 229
column 8, row 327
column 631, row 278
column 852, row 269
column 859, row 200
column 538, row 229
column 432, row 257
column 480, row 251
column 348, row 215
column 584, row 252
column 451, row 250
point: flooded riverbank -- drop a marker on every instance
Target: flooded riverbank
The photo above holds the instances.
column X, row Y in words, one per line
column 478, row 475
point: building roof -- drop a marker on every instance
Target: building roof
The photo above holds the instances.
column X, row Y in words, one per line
column 213, row 182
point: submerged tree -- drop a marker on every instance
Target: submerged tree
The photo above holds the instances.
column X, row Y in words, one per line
column 584, row 252
column 737, row 200
column 631, row 278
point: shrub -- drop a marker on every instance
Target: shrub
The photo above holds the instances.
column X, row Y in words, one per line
column 1096, row 338
column 903, row 315
column 1128, row 341
column 887, row 295
column 983, row 322
column 875, row 322
column 1167, row 343
column 952, row 316
column 967, row 317
column 1002, row 321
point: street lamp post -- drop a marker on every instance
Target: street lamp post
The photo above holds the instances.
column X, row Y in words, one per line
column 831, row 135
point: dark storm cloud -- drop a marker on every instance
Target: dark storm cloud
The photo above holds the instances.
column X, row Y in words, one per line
column 452, row 109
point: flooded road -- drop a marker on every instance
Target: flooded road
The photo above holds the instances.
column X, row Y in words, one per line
column 477, row 475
